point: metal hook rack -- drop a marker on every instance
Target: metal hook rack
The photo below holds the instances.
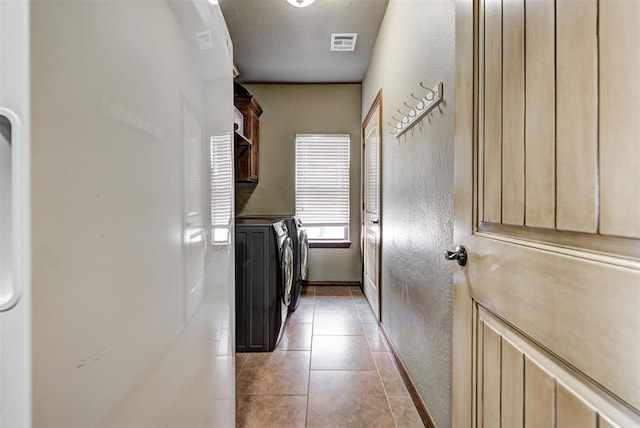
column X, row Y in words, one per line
column 425, row 104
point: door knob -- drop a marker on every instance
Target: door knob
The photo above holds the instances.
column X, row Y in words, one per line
column 460, row 254
column 375, row 221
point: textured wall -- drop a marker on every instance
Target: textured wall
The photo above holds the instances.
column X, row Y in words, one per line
column 416, row 43
column 305, row 109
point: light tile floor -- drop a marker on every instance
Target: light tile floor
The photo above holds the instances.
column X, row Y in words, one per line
column 332, row 368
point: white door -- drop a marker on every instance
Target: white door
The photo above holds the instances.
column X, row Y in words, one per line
column 371, row 196
column 15, row 357
column 547, row 159
column 194, row 237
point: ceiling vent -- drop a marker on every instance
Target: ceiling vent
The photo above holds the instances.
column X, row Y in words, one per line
column 343, row 42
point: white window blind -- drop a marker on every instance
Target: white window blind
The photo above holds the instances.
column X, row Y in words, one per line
column 322, row 185
column 221, row 188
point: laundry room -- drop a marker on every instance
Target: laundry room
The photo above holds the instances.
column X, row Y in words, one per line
column 319, row 213
column 333, row 338
column 289, row 110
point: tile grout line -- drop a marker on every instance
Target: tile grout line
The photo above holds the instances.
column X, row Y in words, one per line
column 375, row 362
column 313, row 320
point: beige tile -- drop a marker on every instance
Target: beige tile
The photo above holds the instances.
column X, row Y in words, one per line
column 366, row 314
column 241, row 358
column 358, row 297
column 270, row 410
column 393, row 383
column 377, row 342
column 307, row 294
column 363, row 307
column 334, row 304
column 337, row 324
column 275, row 373
column 333, row 290
column 355, row 291
column 341, row 353
column 296, row 337
column 405, row 413
column 303, row 314
column 347, row 399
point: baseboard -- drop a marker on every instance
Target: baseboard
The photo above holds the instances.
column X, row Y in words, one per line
column 426, row 417
column 333, row 283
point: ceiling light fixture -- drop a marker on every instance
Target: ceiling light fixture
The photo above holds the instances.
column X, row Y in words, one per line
column 300, row 3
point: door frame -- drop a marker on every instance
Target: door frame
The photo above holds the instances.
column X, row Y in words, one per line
column 377, row 103
column 463, row 388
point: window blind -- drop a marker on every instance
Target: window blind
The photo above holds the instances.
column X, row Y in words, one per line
column 221, row 188
column 322, row 184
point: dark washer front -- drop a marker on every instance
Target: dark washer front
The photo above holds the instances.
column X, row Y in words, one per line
column 260, row 310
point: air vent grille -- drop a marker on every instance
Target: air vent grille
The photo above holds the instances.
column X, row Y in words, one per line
column 344, row 42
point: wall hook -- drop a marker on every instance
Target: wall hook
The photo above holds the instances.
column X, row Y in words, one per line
column 430, row 92
column 420, row 105
column 412, row 110
column 425, row 105
column 412, row 113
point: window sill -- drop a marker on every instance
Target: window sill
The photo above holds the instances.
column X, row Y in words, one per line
column 329, row 244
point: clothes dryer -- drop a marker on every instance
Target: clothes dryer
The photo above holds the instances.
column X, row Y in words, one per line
column 301, row 244
column 298, row 236
column 264, row 281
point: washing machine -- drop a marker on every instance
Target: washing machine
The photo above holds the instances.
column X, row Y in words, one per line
column 264, row 283
column 303, row 242
column 301, row 249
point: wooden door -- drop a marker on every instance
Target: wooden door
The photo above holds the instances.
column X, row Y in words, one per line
column 547, row 158
column 371, row 202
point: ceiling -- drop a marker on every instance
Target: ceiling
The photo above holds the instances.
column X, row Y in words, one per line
column 275, row 42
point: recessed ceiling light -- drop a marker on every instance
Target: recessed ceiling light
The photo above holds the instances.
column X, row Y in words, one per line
column 300, row 3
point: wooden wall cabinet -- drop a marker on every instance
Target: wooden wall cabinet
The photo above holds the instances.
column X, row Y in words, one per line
column 247, row 142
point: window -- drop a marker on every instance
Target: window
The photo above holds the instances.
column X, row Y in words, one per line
column 322, row 185
column 221, row 188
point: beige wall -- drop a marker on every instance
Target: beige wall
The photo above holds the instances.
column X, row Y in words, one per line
column 108, row 89
column 305, row 109
column 416, row 43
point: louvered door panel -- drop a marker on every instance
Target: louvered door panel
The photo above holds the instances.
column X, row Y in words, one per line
column 577, row 109
column 619, row 91
column 522, row 385
column 559, row 149
column 513, row 113
column 493, row 107
column 540, row 114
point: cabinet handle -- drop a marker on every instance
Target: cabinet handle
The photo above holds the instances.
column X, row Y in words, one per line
column 10, row 300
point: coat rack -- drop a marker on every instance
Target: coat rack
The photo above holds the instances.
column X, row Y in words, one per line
column 419, row 110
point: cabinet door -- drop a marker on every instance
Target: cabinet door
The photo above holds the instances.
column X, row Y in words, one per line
column 247, row 159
